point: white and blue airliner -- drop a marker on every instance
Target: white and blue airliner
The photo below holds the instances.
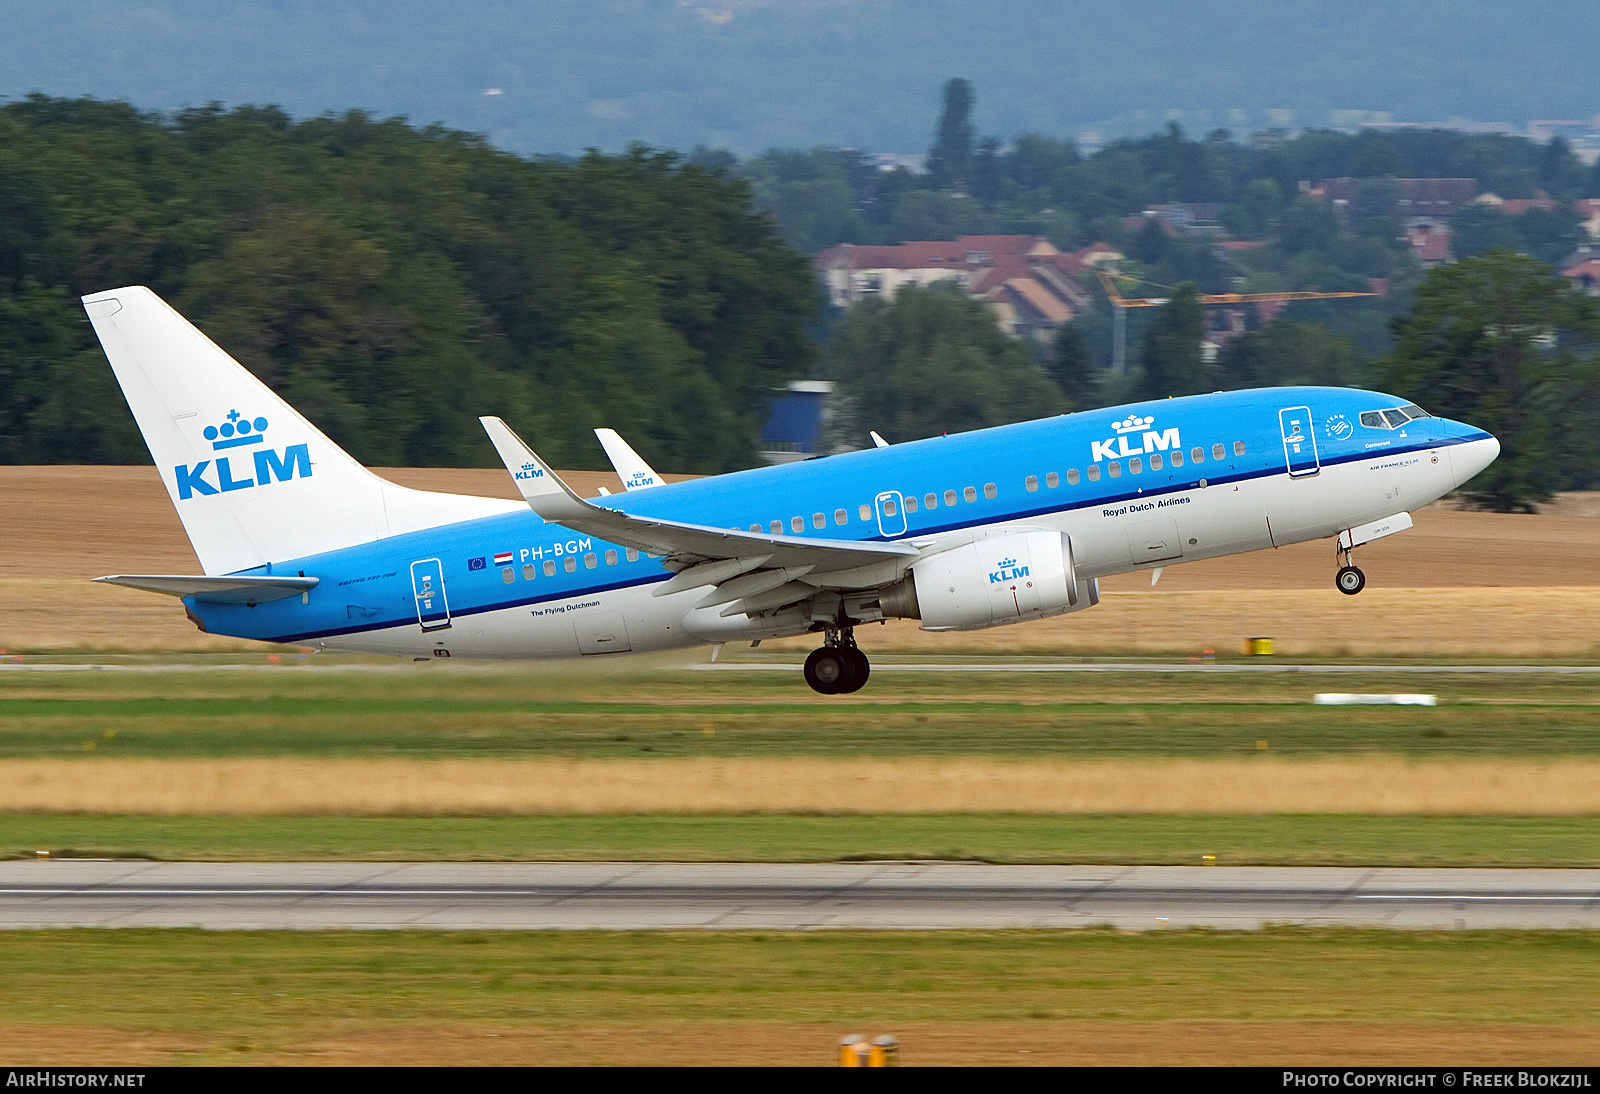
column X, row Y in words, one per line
column 301, row 544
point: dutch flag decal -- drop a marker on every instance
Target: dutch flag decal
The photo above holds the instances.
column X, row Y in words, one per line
column 503, row 558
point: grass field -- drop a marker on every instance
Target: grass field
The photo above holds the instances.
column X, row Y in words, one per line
column 644, row 710
column 1275, row 997
column 1272, row 840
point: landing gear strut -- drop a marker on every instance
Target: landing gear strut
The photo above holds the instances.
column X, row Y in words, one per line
column 838, row 667
column 1349, row 580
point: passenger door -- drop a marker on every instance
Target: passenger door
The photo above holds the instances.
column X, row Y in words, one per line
column 891, row 509
column 427, row 585
column 1299, row 441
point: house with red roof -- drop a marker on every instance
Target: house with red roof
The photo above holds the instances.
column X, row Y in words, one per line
column 1032, row 286
column 1584, row 275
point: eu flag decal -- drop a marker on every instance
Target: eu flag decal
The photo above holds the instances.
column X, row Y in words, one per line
column 475, row 563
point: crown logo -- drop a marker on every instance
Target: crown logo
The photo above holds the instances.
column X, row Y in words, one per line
column 530, row 467
column 1131, row 423
column 237, row 430
column 1006, row 562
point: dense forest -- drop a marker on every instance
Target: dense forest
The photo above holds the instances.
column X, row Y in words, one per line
column 393, row 283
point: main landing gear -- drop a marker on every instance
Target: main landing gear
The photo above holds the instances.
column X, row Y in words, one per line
column 1349, row 580
column 838, row 668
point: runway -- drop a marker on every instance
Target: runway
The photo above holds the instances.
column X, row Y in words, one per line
column 676, row 896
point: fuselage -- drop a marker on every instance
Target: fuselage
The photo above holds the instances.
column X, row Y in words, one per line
column 1137, row 486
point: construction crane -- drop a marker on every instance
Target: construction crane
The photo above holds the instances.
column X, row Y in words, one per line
column 1121, row 304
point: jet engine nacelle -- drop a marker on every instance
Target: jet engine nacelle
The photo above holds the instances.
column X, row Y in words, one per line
column 1004, row 578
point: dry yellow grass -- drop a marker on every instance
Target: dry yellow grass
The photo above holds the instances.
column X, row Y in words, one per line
column 266, row 787
column 928, row 1044
column 1459, row 584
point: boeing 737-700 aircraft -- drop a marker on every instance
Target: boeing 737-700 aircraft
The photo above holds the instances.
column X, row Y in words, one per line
column 301, row 544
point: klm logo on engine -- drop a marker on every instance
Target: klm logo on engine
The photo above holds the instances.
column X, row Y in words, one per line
column 1008, row 571
column 1151, row 441
column 219, row 474
column 528, row 471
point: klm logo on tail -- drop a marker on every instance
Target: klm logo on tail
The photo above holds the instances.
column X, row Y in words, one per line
column 528, row 471
column 238, row 431
column 1152, row 441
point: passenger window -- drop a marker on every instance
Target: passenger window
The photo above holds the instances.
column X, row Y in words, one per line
column 631, row 555
column 798, row 524
column 1053, row 480
column 777, row 527
column 611, row 558
column 930, row 501
column 1114, row 469
column 1217, row 452
column 840, row 516
column 589, row 561
column 1238, row 448
column 1155, row 462
column 1177, row 457
column 889, row 507
column 1072, row 477
column 755, row 527
column 989, row 490
column 549, row 568
column 1136, row 466
column 528, row 572
column 911, row 503
column 1094, row 472
column 866, row 512
column 818, row 520
column 969, row 493
column 508, row 575
column 1197, row 455
column 949, row 497
column 1373, row 419
column 1031, row 483
column 570, row 564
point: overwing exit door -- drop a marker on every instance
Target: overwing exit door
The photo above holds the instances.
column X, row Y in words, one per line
column 1299, row 443
column 427, row 584
column 891, row 513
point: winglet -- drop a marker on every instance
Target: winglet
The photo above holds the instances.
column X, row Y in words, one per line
column 877, row 441
column 544, row 492
column 631, row 469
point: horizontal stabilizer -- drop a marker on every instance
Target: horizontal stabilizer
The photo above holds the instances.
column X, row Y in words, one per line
column 217, row 590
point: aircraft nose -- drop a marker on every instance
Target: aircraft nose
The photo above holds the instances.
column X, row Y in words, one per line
column 1466, row 460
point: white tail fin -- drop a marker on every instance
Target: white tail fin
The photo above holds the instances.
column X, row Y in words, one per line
column 252, row 480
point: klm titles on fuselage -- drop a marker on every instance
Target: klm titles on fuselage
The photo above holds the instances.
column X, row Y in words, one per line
column 238, row 431
column 1152, row 440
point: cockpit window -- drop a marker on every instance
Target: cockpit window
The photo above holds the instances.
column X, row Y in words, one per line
column 1392, row 419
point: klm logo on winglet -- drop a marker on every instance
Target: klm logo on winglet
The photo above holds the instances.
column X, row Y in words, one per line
column 529, row 471
column 1152, row 441
column 238, row 431
column 1008, row 571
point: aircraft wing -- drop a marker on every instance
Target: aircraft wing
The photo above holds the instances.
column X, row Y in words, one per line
column 217, row 590
column 629, row 465
column 702, row 555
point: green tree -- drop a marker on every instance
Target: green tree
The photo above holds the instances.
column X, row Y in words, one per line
column 1071, row 365
column 1171, row 360
column 950, row 158
column 1500, row 341
column 933, row 362
column 1286, row 353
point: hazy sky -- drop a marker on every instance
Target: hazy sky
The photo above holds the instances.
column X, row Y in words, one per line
column 748, row 74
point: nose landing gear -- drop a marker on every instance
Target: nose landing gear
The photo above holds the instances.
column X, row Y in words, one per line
column 1349, row 580
column 838, row 667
